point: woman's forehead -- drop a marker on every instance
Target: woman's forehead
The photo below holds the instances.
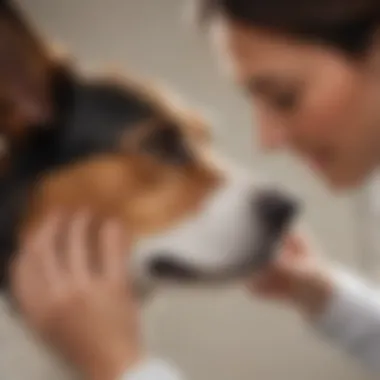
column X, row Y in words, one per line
column 246, row 52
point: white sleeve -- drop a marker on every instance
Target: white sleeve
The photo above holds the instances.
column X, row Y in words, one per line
column 352, row 320
column 153, row 369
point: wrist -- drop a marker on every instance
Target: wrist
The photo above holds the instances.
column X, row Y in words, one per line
column 312, row 292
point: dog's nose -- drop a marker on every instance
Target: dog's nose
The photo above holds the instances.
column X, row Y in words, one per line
column 274, row 208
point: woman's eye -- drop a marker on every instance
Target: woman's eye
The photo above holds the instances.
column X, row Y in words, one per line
column 286, row 101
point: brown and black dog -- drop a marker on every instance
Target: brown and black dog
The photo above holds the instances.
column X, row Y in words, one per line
column 121, row 148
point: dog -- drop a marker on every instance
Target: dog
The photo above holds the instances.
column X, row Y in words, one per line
column 121, row 148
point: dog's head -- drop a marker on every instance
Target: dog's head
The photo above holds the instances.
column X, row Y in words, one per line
column 198, row 219
column 126, row 149
column 193, row 217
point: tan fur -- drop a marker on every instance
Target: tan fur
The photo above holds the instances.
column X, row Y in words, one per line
column 144, row 195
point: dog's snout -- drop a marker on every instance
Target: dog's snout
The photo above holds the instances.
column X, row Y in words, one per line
column 274, row 208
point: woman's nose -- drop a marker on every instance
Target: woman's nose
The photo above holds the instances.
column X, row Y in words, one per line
column 271, row 134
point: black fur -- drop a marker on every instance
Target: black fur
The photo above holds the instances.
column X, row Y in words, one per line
column 90, row 118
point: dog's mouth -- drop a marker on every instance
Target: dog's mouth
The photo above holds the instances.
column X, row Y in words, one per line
column 275, row 219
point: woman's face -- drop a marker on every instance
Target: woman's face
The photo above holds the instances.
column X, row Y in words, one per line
column 313, row 100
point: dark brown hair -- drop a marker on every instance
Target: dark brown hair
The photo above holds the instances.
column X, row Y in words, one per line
column 345, row 24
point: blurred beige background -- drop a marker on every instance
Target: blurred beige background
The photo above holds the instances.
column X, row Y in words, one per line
column 211, row 335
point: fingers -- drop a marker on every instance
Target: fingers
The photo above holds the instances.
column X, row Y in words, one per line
column 112, row 250
column 36, row 266
column 111, row 254
column 41, row 255
column 38, row 253
column 110, row 264
column 48, row 279
column 77, row 250
column 293, row 251
column 43, row 249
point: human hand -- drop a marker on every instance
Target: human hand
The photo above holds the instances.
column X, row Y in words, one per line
column 86, row 311
column 297, row 276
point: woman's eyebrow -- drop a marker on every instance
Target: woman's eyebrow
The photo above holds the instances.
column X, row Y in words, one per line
column 267, row 83
column 259, row 84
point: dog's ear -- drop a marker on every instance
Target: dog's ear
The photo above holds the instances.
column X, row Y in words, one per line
column 24, row 73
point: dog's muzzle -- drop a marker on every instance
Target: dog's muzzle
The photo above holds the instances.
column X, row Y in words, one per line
column 272, row 213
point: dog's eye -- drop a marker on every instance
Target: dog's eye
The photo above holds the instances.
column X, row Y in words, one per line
column 168, row 144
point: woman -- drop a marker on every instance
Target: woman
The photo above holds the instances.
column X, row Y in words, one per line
column 312, row 70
